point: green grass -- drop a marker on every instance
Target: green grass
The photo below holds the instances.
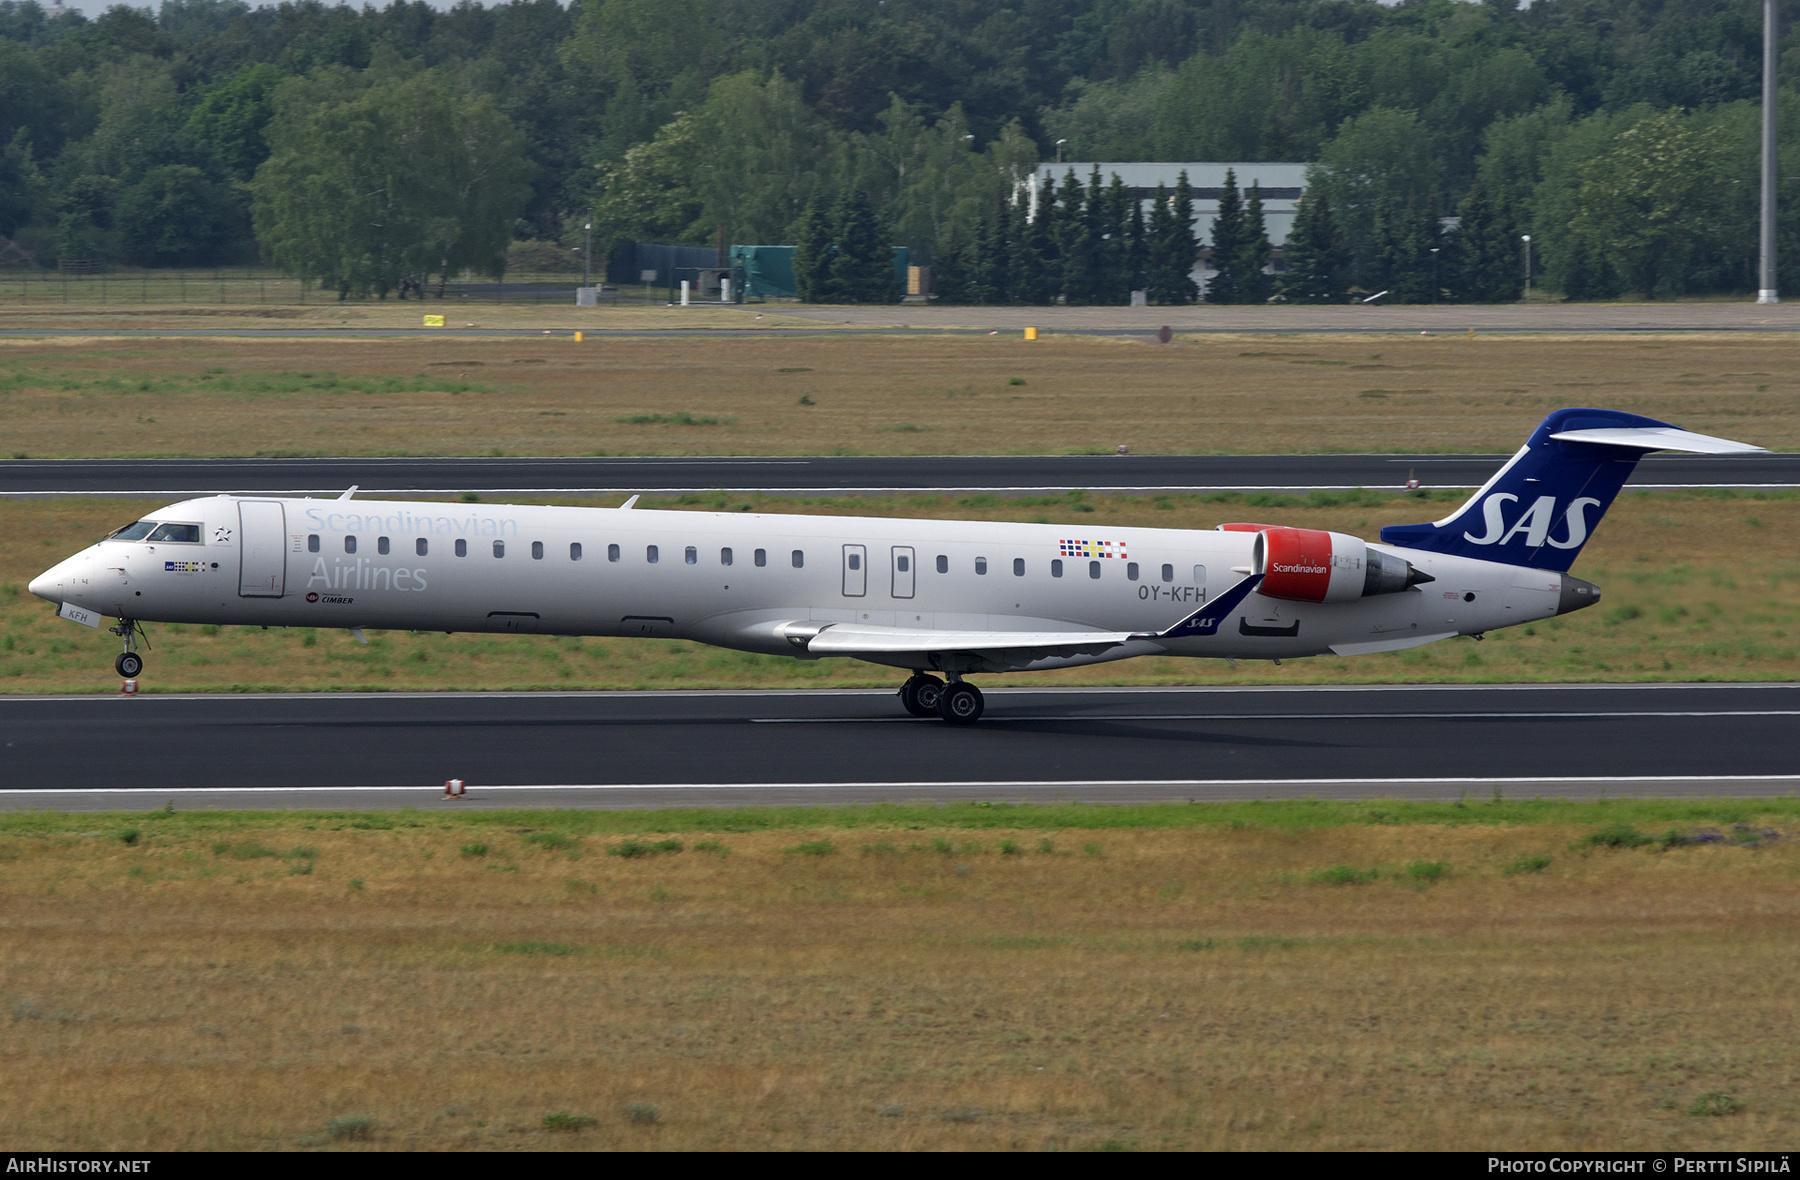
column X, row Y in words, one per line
column 1606, row 816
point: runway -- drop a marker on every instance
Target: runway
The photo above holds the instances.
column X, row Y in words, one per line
column 619, row 750
column 1019, row 474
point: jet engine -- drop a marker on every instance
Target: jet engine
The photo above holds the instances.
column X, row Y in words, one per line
column 1311, row 565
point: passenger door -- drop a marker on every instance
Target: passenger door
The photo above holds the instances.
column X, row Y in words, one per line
column 856, row 571
column 262, row 564
column 903, row 571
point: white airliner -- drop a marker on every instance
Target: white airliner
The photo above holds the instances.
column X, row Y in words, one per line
column 940, row 598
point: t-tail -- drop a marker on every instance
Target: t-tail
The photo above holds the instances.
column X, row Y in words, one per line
column 1541, row 508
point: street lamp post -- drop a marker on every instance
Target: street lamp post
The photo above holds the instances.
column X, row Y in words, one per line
column 587, row 254
column 1766, row 292
column 1059, row 149
column 1526, row 238
column 1434, row 275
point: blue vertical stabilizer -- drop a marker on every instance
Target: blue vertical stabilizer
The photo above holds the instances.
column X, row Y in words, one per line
column 1541, row 508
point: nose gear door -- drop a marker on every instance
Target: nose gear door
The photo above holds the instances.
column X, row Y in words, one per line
column 262, row 563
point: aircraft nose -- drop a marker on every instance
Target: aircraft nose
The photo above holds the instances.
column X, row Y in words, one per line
column 59, row 581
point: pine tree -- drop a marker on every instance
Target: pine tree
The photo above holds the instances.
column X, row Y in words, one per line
column 1077, row 246
column 862, row 264
column 1137, row 251
column 1412, row 235
column 949, row 274
column 1036, row 273
column 1488, row 264
column 1116, row 263
column 1024, row 264
column 981, row 264
column 1227, row 245
column 812, row 255
column 1253, row 252
column 1171, row 250
column 1316, row 255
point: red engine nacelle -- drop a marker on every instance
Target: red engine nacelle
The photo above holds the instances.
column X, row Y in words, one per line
column 1311, row 565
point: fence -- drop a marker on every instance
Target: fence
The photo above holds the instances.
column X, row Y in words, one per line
column 114, row 286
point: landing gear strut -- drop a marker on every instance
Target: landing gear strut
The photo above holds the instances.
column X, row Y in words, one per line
column 919, row 695
column 129, row 664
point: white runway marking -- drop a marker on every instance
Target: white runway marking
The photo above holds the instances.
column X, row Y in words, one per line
column 992, row 719
column 943, row 784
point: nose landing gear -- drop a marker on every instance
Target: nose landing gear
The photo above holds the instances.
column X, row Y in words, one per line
column 129, row 663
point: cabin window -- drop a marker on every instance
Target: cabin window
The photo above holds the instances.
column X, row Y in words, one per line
column 1056, row 567
column 574, row 550
column 943, row 564
column 1093, row 569
column 724, row 557
column 1131, row 571
column 903, row 564
column 612, row 553
column 421, row 546
column 981, row 565
column 799, row 559
column 537, row 551
column 854, row 561
column 350, row 543
column 381, row 546
column 1199, row 575
column 462, row 547
column 177, row 532
column 1168, row 573
column 312, row 543
column 1018, row 567
column 650, row 554
column 761, row 557
column 692, row 556
column 499, row 548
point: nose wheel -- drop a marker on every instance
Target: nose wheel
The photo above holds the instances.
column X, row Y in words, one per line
column 129, row 663
column 919, row 696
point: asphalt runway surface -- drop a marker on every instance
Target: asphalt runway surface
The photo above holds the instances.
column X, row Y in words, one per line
column 619, row 750
column 814, row 476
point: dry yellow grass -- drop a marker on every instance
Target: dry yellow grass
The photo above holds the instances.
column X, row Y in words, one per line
column 241, row 988
column 870, row 394
column 1696, row 588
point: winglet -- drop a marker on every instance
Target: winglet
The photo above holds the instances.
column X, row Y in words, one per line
column 631, row 503
column 350, row 492
column 1206, row 620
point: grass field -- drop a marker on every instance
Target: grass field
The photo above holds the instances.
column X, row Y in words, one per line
column 1479, row 975
column 886, row 394
column 1698, row 586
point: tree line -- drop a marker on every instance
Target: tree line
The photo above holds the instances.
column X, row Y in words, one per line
column 383, row 149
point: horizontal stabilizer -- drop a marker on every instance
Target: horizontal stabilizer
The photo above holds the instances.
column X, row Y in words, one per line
column 1659, row 438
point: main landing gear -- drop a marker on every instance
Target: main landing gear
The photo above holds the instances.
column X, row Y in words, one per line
column 959, row 702
column 129, row 664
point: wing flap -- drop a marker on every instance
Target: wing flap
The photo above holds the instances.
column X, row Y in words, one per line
column 848, row 639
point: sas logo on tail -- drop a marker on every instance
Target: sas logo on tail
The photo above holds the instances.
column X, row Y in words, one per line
column 1535, row 523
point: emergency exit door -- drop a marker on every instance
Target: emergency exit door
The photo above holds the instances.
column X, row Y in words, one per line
column 262, row 561
column 856, row 571
column 903, row 571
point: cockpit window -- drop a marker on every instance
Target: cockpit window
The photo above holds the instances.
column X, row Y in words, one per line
column 177, row 532
column 134, row 532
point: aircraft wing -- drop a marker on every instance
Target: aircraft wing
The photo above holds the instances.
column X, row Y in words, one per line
column 1006, row 647
column 850, row 639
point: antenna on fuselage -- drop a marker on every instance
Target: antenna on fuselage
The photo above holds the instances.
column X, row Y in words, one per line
column 350, row 492
column 631, row 503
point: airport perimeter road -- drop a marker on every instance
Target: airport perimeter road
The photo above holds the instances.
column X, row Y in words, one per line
column 738, row 748
column 1018, row 473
